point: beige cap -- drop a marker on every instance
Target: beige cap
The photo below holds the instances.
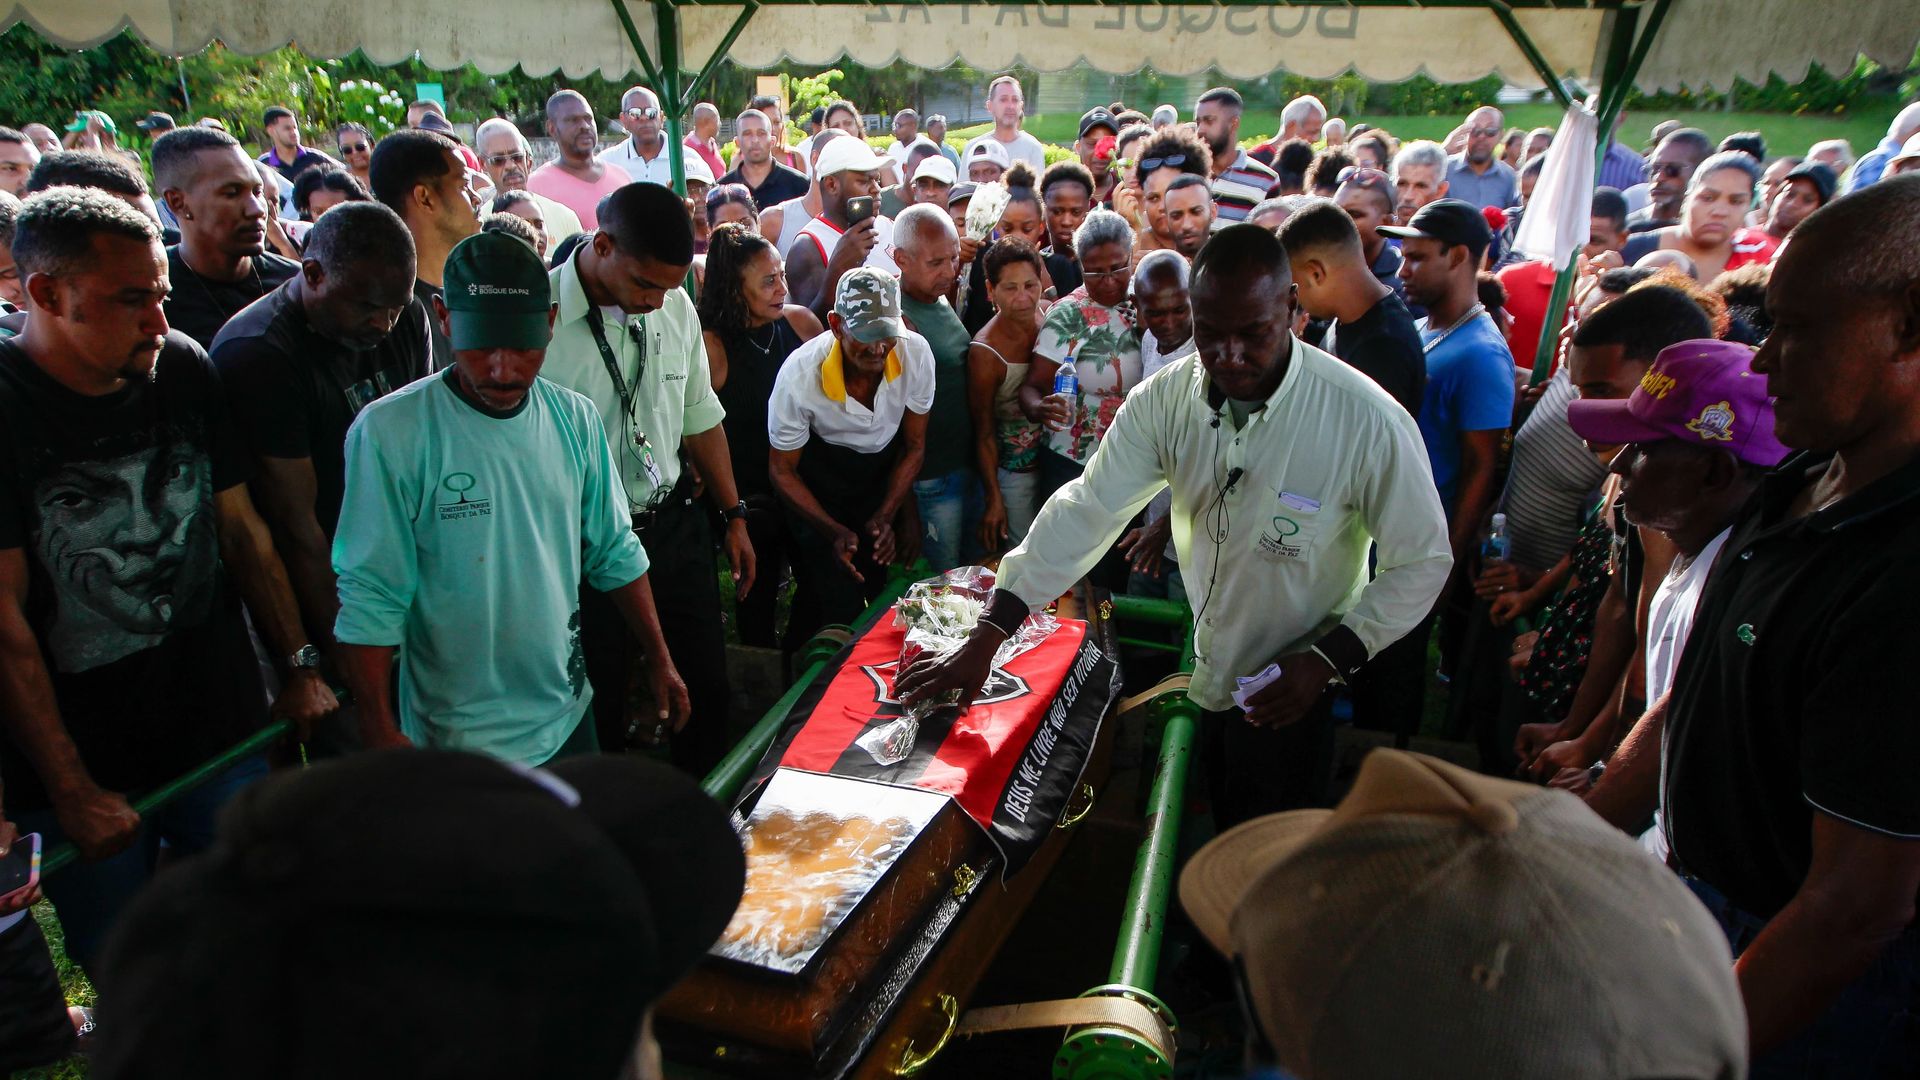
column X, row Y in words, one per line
column 1439, row 923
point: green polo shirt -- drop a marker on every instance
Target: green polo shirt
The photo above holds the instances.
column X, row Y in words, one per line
column 672, row 398
column 949, row 427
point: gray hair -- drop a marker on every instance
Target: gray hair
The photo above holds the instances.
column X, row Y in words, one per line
column 1299, row 107
column 1420, row 152
column 54, row 231
column 1842, row 145
column 913, row 225
column 1737, row 160
column 497, row 124
column 1170, row 114
column 1103, row 227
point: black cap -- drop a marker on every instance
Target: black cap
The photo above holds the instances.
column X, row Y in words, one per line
column 1450, row 221
column 422, row 913
column 961, row 192
column 156, row 121
column 1095, row 117
column 1819, row 175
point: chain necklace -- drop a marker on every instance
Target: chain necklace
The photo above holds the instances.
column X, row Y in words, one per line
column 259, row 287
column 1471, row 313
column 773, row 331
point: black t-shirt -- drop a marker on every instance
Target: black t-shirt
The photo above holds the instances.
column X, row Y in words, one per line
column 305, row 160
column 1384, row 346
column 294, row 393
column 198, row 307
column 1065, row 272
column 780, row 185
column 111, row 500
column 1797, row 688
column 442, row 345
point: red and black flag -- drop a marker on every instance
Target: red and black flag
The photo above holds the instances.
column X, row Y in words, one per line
column 1011, row 760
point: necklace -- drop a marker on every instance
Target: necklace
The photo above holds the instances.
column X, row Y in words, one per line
column 259, row 287
column 1470, row 314
column 773, row 331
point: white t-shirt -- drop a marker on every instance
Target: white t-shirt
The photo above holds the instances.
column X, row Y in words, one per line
column 1024, row 147
column 826, row 236
column 810, row 400
column 793, row 218
column 1669, row 621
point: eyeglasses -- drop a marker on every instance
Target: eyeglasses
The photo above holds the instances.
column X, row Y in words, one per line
column 1672, row 170
column 1104, row 275
column 1483, row 133
column 354, row 148
column 1147, row 165
column 514, row 157
column 643, row 114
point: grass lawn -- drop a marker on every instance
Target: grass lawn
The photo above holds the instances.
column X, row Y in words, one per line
column 79, row 992
column 1785, row 133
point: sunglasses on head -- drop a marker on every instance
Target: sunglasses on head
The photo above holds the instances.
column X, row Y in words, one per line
column 1147, row 165
column 1362, row 175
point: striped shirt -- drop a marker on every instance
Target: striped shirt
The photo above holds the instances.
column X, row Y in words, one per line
column 1239, row 189
column 1551, row 482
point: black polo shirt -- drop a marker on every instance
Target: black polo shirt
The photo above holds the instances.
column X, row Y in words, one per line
column 1799, row 689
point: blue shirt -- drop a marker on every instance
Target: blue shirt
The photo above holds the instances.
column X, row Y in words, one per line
column 1498, row 187
column 1469, row 388
column 1873, row 164
column 1622, row 168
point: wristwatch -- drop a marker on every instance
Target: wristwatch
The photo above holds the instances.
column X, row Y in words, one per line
column 735, row 512
column 306, row 659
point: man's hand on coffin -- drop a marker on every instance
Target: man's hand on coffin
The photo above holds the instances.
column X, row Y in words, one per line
column 965, row 669
column 880, row 530
column 1303, row 677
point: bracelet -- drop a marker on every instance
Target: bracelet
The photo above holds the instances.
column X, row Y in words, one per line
column 1595, row 771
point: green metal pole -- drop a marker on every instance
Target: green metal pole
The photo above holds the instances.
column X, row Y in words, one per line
column 1621, row 65
column 726, row 779
column 1149, row 610
column 166, row 793
column 666, row 19
column 1136, row 960
column 1531, row 51
column 633, row 39
column 699, row 81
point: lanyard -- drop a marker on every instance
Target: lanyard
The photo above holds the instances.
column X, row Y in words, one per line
column 640, row 447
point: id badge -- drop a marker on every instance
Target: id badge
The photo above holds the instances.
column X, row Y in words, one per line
column 647, row 463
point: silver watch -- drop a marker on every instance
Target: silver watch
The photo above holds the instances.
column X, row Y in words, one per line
column 306, row 659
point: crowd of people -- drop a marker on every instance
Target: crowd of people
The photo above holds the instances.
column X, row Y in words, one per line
column 389, row 443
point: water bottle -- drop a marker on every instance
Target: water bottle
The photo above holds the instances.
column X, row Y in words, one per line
column 1066, row 381
column 1499, row 545
column 1066, row 387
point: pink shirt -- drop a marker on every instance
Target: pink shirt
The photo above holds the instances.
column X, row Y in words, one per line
column 709, row 154
column 574, row 193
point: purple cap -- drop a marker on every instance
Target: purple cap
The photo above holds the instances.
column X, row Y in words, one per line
column 1703, row 392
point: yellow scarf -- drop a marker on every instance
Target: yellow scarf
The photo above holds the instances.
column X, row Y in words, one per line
column 833, row 375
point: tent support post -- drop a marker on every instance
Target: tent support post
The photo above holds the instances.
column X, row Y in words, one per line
column 667, row 18
column 1531, row 51
column 633, row 38
column 699, row 81
column 1625, row 54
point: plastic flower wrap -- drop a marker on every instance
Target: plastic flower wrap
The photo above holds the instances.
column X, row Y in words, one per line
column 939, row 613
column 983, row 212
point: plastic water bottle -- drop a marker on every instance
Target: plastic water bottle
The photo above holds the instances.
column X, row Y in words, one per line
column 1499, row 545
column 1066, row 381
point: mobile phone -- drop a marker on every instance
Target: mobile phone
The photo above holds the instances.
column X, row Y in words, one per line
column 20, row 870
column 859, row 209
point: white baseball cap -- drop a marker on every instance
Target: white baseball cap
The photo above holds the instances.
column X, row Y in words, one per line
column 1908, row 152
column 989, row 149
column 939, row 168
column 848, row 155
column 697, row 168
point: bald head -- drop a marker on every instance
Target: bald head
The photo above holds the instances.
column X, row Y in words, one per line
column 1160, row 269
column 1483, row 134
column 1906, row 124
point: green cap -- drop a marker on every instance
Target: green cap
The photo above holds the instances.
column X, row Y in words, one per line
column 868, row 301
column 496, row 294
column 80, row 121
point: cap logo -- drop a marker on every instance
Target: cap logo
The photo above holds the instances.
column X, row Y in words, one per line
column 1714, row 422
column 1658, row 384
column 480, row 289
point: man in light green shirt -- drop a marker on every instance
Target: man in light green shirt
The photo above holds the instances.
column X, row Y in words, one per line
column 1284, row 465
column 477, row 502
column 626, row 336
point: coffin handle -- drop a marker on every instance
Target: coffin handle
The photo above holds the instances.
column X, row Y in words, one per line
column 910, row 1062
